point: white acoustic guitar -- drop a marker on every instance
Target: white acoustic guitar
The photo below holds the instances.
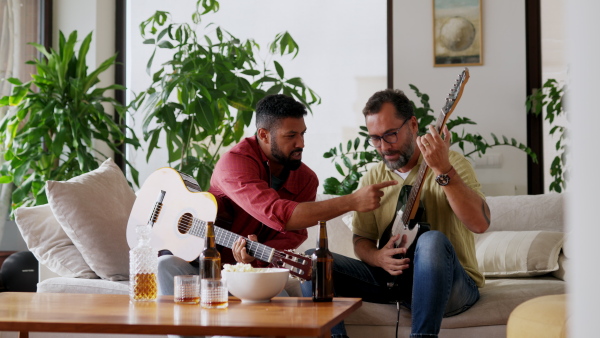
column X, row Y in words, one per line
column 173, row 203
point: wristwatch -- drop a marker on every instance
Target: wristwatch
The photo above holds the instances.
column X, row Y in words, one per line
column 444, row 179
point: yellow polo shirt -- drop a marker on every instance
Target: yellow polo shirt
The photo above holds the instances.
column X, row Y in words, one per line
column 438, row 212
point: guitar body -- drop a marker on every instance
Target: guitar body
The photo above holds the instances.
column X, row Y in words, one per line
column 413, row 230
column 172, row 202
column 180, row 199
column 401, row 286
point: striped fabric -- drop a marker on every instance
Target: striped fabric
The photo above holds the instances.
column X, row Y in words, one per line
column 518, row 253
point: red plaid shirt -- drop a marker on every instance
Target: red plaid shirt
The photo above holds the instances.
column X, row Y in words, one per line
column 248, row 205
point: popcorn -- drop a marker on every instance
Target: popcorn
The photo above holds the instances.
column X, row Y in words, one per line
column 239, row 267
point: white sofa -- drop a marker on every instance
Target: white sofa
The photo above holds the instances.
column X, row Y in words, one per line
column 525, row 238
column 522, row 250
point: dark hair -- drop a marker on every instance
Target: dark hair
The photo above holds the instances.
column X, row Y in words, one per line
column 404, row 109
column 273, row 108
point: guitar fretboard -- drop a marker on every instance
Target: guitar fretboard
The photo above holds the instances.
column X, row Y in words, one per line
column 451, row 101
column 226, row 238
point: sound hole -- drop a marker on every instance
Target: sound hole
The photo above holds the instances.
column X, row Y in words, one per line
column 185, row 223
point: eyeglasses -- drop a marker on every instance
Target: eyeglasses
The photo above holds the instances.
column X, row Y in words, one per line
column 390, row 138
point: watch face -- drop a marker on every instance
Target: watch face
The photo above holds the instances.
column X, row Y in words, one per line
column 442, row 179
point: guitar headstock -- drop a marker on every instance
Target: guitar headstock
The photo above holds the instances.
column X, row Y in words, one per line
column 456, row 91
column 300, row 265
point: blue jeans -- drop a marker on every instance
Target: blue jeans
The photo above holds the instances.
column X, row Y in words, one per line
column 440, row 285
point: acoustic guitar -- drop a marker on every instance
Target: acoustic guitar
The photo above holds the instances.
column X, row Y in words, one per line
column 179, row 210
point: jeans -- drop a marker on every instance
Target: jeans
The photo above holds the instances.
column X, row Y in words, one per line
column 440, row 285
column 170, row 266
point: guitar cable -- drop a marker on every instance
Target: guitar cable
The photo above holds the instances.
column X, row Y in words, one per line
column 398, row 317
column 390, row 285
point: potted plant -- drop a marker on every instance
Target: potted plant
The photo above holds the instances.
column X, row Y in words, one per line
column 550, row 99
column 357, row 155
column 55, row 119
column 203, row 98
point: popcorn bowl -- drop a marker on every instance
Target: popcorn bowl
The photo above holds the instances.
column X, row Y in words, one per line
column 257, row 285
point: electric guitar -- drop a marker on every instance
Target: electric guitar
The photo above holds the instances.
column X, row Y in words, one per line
column 408, row 212
column 179, row 217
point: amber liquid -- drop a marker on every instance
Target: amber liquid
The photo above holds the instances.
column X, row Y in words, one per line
column 323, row 279
column 187, row 300
column 210, row 258
column 214, row 305
column 210, row 267
column 145, row 286
column 322, row 269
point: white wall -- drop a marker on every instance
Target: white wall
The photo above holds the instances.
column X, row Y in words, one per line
column 495, row 95
column 85, row 16
column 342, row 57
column 583, row 52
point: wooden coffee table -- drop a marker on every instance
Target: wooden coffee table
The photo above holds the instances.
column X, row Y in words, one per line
column 97, row 313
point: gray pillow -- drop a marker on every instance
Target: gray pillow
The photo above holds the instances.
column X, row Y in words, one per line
column 93, row 209
column 46, row 239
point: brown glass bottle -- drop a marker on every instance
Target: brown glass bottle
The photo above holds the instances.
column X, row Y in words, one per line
column 210, row 258
column 322, row 268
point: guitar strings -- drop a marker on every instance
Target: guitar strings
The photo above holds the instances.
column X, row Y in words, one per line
column 187, row 222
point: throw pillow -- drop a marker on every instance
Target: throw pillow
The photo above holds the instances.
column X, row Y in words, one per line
column 518, row 253
column 46, row 239
column 93, row 209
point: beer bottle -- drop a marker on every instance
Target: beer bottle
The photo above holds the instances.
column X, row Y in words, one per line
column 322, row 268
column 210, row 258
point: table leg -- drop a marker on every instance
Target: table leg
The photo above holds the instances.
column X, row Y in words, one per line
column 23, row 334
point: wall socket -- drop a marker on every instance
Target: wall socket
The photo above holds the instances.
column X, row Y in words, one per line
column 489, row 160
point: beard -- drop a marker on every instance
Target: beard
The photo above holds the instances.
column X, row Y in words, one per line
column 406, row 152
column 286, row 161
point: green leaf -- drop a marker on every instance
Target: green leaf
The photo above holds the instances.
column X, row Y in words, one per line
column 81, row 59
column 331, row 185
column 296, row 81
column 149, row 64
column 339, row 169
column 251, row 72
column 153, row 143
column 347, row 162
column 279, row 69
column 165, row 44
column 15, row 81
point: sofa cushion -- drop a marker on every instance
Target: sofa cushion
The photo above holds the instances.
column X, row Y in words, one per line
column 527, row 212
column 93, row 209
column 46, row 239
column 498, row 299
column 518, row 253
column 78, row 285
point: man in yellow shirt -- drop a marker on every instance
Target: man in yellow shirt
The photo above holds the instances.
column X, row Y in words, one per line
column 445, row 278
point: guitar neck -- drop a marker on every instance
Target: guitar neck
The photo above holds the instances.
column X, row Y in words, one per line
column 412, row 202
column 226, row 238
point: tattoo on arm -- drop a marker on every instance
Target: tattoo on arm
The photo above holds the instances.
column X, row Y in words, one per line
column 486, row 212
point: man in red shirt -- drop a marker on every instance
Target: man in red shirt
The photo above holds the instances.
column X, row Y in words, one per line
column 265, row 192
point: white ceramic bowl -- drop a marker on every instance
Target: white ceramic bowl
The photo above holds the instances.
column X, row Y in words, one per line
column 260, row 285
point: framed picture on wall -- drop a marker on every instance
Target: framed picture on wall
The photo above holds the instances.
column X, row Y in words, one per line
column 457, row 36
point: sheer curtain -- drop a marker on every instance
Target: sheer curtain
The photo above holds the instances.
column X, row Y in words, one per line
column 9, row 38
column 19, row 25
